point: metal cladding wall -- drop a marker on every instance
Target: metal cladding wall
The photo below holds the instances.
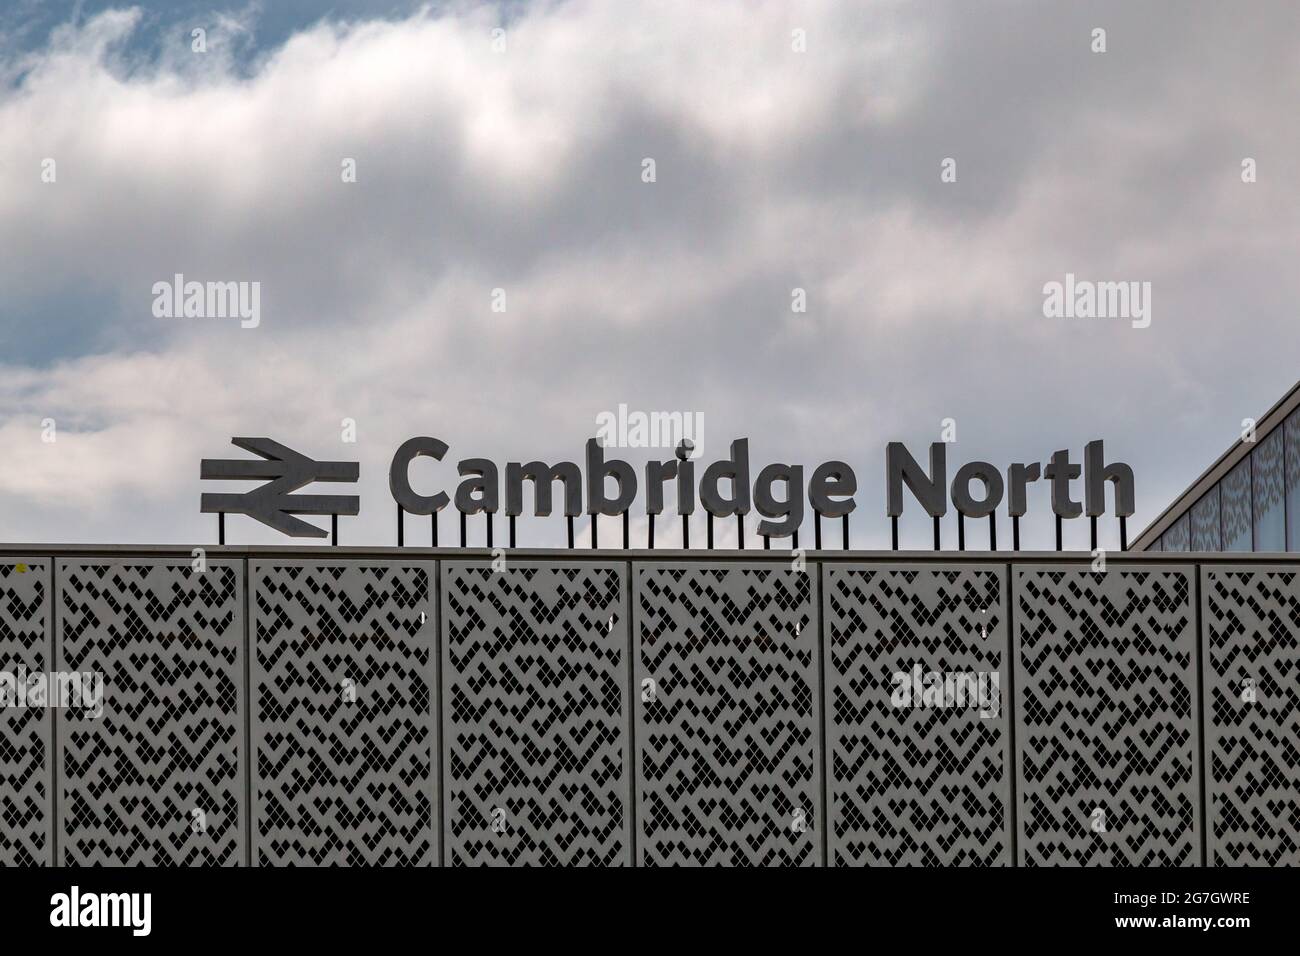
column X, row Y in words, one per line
column 728, row 715
column 159, row 778
column 456, row 707
column 1106, row 716
column 343, row 735
column 535, row 715
column 1251, row 645
column 916, row 785
column 26, row 733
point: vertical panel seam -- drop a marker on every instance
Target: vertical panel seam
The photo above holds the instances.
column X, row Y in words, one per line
column 435, row 704
column 820, row 611
column 52, row 621
column 444, row 760
column 1202, row 741
column 249, row 756
column 629, row 762
column 1013, row 754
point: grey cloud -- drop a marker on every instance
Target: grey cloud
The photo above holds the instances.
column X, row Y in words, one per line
column 523, row 172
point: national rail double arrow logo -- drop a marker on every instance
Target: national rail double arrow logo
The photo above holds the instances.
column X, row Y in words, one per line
column 272, row 504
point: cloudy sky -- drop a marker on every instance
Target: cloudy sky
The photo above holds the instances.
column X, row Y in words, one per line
column 521, row 169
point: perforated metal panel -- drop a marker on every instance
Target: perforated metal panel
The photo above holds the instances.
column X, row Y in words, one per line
column 728, row 746
column 343, row 720
column 157, row 779
column 543, row 670
column 25, row 729
column 917, row 734
column 1251, row 641
column 535, row 719
column 1106, row 722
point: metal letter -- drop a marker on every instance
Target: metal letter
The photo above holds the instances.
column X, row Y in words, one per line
column 480, row 475
column 543, row 476
column 1018, row 476
column 597, row 470
column 1097, row 473
column 399, row 479
column 961, row 496
column 791, row 509
column 737, row 469
column 1059, row 472
column 832, row 478
column 901, row 468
